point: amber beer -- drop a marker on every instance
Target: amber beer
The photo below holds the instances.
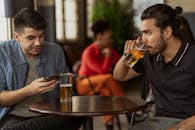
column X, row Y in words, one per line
column 65, row 92
column 133, row 56
column 66, row 106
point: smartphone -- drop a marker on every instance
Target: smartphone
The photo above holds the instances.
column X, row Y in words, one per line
column 54, row 77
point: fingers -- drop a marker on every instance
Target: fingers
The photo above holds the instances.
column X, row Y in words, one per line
column 138, row 41
column 107, row 52
column 48, row 87
column 42, row 79
column 129, row 45
column 41, row 85
column 132, row 44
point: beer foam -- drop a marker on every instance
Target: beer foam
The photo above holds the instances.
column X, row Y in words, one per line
column 65, row 85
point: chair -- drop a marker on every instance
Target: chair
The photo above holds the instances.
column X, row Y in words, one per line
column 149, row 110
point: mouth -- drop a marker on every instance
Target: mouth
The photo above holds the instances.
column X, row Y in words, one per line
column 37, row 49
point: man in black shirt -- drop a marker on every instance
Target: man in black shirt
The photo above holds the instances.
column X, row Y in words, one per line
column 168, row 65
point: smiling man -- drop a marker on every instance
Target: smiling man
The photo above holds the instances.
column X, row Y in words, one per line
column 168, row 65
column 24, row 62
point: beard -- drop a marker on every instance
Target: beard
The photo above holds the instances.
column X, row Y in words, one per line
column 160, row 47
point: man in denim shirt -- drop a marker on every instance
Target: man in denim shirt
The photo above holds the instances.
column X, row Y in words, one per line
column 24, row 62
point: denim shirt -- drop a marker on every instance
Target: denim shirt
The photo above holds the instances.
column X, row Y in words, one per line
column 14, row 67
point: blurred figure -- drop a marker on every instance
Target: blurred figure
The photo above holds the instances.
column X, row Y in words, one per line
column 97, row 63
column 168, row 66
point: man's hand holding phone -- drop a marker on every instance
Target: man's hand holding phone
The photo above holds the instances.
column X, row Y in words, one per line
column 42, row 85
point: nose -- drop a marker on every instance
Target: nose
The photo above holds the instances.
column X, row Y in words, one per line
column 38, row 42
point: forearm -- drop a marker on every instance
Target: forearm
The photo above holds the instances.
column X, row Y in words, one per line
column 9, row 98
column 187, row 124
column 122, row 72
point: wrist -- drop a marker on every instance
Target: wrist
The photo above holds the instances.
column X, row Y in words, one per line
column 27, row 91
column 124, row 61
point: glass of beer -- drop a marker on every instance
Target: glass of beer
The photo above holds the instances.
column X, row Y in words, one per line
column 66, row 106
column 133, row 56
column 66, row 81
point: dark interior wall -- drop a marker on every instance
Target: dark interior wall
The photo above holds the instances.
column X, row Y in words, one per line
column 72, row 53
column 191, row 19
column 48, row 12
column 13, row 6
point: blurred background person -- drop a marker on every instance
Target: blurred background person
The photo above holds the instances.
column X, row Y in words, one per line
column 97, row 63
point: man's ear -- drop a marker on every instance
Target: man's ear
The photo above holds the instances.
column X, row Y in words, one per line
column 168, row 32
column 17, row 36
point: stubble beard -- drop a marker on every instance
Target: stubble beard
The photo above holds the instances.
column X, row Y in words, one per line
column 160, row 47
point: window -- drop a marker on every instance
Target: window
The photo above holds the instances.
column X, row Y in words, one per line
column 5, row 23
column 90, row 4
column 66, row 20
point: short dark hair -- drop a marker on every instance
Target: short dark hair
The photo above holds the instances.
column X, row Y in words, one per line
column 27, row 17
column 100, row 26
column 164, row 16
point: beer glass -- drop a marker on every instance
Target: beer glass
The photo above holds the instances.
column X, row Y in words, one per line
column 66, row 106
column 133, row 55
column 66, row 80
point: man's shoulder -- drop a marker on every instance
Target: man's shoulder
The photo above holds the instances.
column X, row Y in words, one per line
column 52, row 46
column 9, row 43
column 192, row 46
column 8, row 46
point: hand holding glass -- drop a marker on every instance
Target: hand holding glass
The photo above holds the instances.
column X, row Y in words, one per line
column 66, row 81
column 134, row 54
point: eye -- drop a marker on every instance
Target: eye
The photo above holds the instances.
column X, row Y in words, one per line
column 30, row 37
column 42, row 36
column 148, row 33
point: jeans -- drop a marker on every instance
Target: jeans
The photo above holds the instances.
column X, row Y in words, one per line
column 156, row 123
column 46, row 122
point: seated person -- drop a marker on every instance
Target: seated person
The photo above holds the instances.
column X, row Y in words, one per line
column 24, row 62
column 168, row 67
column 97, row 64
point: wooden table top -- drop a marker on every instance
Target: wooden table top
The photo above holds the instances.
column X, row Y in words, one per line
column 90, row 106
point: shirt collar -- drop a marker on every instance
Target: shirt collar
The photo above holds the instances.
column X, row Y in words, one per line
column 176, row 60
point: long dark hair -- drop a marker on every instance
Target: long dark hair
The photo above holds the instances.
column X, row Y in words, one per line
column 165, row 15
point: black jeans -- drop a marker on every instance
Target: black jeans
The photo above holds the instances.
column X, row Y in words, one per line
column 48, row 122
